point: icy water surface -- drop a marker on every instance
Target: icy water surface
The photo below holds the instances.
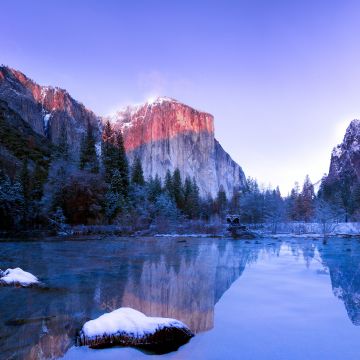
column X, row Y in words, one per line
column 257, row 299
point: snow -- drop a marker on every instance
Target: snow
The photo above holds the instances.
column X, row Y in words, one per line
column 98, row 148
column 46, row 121
column 337, row 152
column 160, row 100
column 127, row 320
column 18, row 276
column 301, row 229
column 185, row 235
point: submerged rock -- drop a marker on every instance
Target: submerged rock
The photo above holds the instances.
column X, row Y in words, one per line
column 129, row 327
column 17, row 277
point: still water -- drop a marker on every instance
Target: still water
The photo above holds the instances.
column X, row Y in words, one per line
column 260, row 299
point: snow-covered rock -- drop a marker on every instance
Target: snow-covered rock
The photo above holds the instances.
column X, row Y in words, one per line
column 129, row 327
column 17, row 277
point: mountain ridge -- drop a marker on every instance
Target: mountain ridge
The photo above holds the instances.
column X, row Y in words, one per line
column 165, row 133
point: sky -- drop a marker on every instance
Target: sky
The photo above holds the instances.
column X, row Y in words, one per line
column 280, row 77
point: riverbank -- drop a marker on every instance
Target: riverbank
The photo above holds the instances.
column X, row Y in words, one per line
column 194, row 229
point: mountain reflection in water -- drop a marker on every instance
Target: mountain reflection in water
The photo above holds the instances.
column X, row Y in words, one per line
column 160, row 277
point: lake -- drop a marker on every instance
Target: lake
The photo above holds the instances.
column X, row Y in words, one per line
column 285, row 298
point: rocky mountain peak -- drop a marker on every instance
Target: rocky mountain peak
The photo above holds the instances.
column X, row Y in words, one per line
column 46, row 108
column 167, row 134
column 157, row 119
column 163, row 132
column 345, row 157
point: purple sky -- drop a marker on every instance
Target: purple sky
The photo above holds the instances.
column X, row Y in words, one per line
column 281, row 77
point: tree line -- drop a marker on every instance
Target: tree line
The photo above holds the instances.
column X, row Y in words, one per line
column 106, row 189
column 99, row 189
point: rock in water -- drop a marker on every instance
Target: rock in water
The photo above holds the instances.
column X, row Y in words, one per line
column 17, row 277
column 129, row 327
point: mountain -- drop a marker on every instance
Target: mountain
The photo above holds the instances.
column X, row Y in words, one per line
column 45, row 108
column 345, row 158
column 341, row 187
column 166, row 134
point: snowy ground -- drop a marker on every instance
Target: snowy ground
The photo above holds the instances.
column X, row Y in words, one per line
column 311, row 229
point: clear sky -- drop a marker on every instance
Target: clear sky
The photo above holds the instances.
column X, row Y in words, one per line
column 281, row 77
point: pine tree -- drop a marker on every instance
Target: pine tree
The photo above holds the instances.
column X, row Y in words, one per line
column 154, row 188
column 11, row 202
column 137, row 175
column 187, row 190
column 234, row 206
column 88, row 157
column 108, row 151
column 25, row 189
column 177, row 189
column 168, row 184
column 191, row 205
column 38, row 179
column 221, row 201
column 306, row 200
column 121, row 163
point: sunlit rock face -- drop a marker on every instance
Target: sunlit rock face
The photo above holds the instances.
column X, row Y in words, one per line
column 345, row 158
column 46, row 109
column 167, row 134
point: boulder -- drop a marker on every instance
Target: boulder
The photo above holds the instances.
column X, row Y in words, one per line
column 18, row 277
column 129, row 327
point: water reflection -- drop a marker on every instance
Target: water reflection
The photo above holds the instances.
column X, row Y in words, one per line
column 342, row 258
column 183, row 279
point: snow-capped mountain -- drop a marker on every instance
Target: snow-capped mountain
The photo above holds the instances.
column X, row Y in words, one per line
column 167, row 134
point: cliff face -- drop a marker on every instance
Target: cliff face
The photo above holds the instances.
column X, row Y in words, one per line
column 167, row 134
column 345, row 158
column 46, row 109
column 164, row 133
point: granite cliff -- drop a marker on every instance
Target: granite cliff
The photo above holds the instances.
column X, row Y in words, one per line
column 167, row 134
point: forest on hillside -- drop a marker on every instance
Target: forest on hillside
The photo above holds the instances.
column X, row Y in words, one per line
column 106, row 189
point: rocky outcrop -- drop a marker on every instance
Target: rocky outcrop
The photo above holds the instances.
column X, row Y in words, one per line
column 46, row 109
column 128, row 327
column 345, row 158
column 167, row 134
column 19, row 140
